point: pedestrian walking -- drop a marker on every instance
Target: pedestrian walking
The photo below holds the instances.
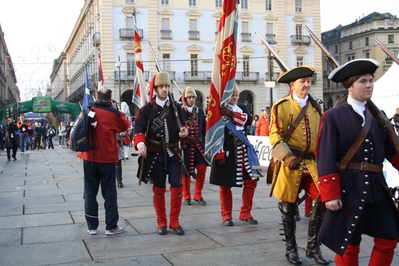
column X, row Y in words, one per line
column 294, row 125
column 236, row 165
column 355, row 193
column 194, row 150
column 24, row 128
column 158, row 129
column 10, row 139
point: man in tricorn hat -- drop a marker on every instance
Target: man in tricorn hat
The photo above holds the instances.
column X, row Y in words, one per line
column 194, row 150
column 357, row 197
column 293, row 131
column 158, row 131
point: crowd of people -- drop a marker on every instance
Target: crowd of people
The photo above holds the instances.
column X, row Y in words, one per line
column 340, row 170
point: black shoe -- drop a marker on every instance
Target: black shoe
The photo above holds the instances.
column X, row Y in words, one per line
column 14, row 158
column 126, row 158
column 179, row 231
column 293, row 257
column 187, row 202
column 228, row 223
column 297, row 217
column 162, row 230
column 201, row 201
column 313, row 251
column 250, row 221
column 120, row 184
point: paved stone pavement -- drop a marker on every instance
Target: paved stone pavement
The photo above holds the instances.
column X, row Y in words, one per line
column 42, row 222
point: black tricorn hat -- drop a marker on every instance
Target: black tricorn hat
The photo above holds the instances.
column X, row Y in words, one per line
column 296, row 73
column 352, row 68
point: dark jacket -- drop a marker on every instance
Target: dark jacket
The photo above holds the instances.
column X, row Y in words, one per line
column 226, row 175
column 9, row 135
column 195, row 142
column 155, row 140
column 353, row 187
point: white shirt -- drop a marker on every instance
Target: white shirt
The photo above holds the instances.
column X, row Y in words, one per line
column 357, row 106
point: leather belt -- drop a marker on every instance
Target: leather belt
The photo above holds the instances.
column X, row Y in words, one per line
column 171, row 145
column 193, row 140
column 365, row 167
column 302, row 154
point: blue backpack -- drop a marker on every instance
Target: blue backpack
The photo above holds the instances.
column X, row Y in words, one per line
column 79, row 136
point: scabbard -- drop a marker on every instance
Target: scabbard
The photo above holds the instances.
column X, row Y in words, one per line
column 275, row 175
column 141, row 170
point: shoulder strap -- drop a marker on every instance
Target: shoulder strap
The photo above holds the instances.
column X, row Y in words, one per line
column 158, row 121
column 355, row 146
column 292, row 127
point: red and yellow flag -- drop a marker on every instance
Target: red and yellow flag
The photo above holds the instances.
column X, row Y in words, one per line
column 139, row 90
column 223, row 77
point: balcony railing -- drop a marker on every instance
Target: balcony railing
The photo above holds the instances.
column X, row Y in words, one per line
column 193, row 35
column 130, row 74
column 271, row 38
column 166, row 34
column 300, row 39
column 275, row 75
column 96, row 39
column 197, row 75
column 245, row 37
column 247, row 76
column 76, row 95
column 129, row 33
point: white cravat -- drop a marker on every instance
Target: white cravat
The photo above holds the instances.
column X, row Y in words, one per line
column 235, row 108
column 190, row 109
column 302, row 102
column 160, row 102
column 357, row 106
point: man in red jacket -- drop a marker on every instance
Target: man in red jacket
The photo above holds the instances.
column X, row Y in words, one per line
column 262, row 128
column 99, row 164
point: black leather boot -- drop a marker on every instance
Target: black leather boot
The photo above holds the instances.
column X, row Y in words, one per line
column 313, row 247
column 289, row 224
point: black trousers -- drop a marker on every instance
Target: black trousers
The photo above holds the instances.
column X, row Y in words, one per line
column 96, row 174
column 14, row 151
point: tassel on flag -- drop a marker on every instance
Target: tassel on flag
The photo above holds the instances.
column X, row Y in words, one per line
column 100, row 73
column 86, row 94
column 223, row 77
column 139, row 90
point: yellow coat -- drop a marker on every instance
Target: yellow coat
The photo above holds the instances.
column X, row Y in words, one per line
column 288, row 181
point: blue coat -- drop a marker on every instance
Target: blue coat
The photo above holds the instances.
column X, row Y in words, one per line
column 195, row 151
column 145, row 118
column 339, row 129
column 226, row 175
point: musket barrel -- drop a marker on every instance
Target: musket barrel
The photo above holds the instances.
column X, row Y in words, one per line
column 388, row 52
column 275, row 55
column 160, row 69
column 331, row 58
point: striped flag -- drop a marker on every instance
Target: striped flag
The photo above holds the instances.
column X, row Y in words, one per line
column 139, row 90
column 86, row 94
column 223, row 77
column 100, row 73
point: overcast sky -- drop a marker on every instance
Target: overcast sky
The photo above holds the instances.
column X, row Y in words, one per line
column 36, row 32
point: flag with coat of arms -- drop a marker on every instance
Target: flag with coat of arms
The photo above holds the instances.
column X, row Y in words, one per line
column 223, row 77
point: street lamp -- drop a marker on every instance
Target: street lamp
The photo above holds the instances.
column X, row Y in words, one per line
column 118, row 65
